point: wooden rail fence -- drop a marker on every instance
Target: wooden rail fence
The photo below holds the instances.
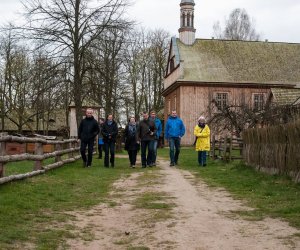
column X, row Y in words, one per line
column 227, row 149
column 69, row 147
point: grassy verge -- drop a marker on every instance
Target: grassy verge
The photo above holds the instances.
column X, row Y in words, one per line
column 274, row 196
column 31, row 209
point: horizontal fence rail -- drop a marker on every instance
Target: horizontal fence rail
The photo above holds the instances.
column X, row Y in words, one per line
column 67, row 147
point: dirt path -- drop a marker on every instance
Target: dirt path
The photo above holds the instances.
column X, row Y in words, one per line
column 200, row 218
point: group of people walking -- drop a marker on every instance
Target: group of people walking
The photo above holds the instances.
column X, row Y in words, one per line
column 143, row 135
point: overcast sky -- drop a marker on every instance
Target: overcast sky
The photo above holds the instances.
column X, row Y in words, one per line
column 276, row 20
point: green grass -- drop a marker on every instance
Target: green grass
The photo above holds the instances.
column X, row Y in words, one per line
column 274, row 196
column 33, row 210
column 38, row 203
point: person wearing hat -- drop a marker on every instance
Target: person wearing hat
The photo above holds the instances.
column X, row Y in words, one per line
column 202, row 132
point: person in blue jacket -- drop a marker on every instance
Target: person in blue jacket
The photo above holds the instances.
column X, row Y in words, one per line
column 157, row 135
column 174, row 130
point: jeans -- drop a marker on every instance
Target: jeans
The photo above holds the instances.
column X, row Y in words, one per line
column 109, row 147
column 100, row 149
column 147, row 159
column 174, row 144
column 155, row 144
column 202, row 158
column 90, row 145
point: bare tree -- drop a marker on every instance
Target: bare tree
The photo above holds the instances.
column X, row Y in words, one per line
column 68, row 28
column 236, row 118
column 238, row 26
column 145, row 61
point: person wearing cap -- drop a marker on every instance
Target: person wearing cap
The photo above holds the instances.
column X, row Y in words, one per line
column 202, row 132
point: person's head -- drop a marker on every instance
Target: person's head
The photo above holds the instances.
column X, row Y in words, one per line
column 109, row 117
column 201, row 121
column 89, row 112
column 153, row 115
column 132, row 119
column 174, row 114
column 145, row 115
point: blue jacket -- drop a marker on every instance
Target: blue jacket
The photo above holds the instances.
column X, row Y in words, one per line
column 158, row 126
column 174, row 127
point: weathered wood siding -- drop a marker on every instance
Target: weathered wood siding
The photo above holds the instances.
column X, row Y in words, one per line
column 194, row 101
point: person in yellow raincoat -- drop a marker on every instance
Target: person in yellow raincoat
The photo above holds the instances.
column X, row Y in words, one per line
column 202, row 132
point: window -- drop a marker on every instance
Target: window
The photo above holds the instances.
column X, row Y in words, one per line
column 222, row 100
column 258, row 102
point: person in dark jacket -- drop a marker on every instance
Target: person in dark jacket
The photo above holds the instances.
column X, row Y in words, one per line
column 109, row 132
column 131, row 144
column 158, row 126
column 100, row 138
column 87, row 131
column 146, row 135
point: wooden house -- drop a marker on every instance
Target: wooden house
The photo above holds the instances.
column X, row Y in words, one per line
column 228, row 72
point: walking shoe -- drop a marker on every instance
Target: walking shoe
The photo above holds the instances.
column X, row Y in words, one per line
column 172, row 164
column 133, row 166
column 84, row 164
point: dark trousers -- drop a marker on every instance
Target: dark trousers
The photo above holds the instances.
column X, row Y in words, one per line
column 147, row 159
column 109, row 148
column 90, row 145
column 202, row 158
column 155, row 145
column 174, row 144
column 100, row 149
column 132, row 156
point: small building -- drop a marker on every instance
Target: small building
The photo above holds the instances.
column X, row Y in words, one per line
column 200, row 71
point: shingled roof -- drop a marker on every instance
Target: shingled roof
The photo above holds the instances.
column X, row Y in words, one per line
column 212, row 60
column 285, row 96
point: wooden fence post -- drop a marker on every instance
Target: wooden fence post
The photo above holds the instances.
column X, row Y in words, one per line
column 220, row 148
column 2, row 153
column 38, row 151
column 230, row 148
column 225, row 149
column 213, row 147
column 71, row 154
column 58, row 148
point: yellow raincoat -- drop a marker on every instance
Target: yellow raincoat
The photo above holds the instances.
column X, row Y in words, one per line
column 203, row 138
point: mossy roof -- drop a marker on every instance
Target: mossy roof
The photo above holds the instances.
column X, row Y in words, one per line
column 285, row 96
column 212, row 60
